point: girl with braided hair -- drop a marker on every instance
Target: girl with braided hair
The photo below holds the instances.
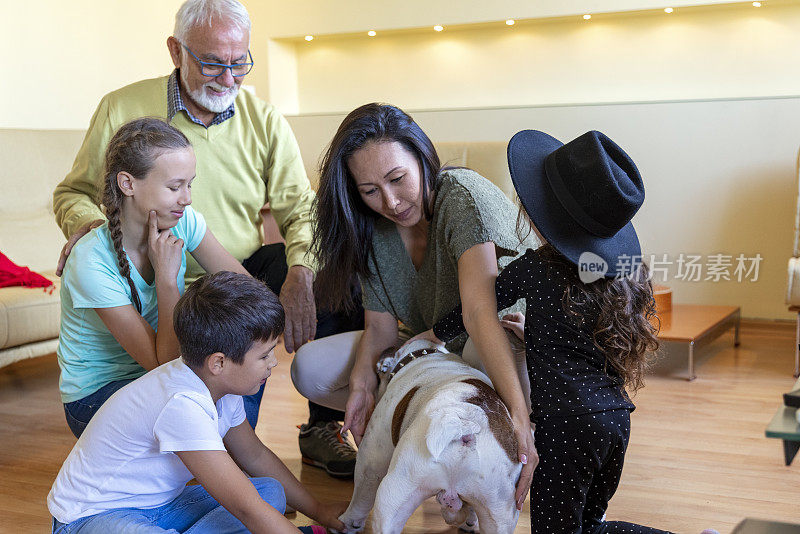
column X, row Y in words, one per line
column 123, row 278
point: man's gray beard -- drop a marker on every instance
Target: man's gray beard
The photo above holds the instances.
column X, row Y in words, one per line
column 214, row 104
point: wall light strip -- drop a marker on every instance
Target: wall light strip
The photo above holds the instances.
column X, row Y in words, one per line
column 512, row 22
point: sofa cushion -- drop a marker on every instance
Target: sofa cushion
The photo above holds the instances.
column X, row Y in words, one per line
column 29, row 314
column 31, row 240
column 34, row 162
column 29, row 350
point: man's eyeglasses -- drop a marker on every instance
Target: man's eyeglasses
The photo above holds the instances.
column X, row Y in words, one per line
column 212, row 70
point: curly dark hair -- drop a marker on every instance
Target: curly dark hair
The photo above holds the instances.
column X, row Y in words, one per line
column 625, row 309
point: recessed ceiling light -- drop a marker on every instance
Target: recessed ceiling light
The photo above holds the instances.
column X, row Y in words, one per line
column 756, row 4
column 587, row 17
column 372, row 33
column 510, row 22
column 309, row 37
column 438, row 28
column 668, row 10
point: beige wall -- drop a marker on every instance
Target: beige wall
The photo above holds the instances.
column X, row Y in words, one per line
column 709, row 53
column 324, row 17
column 720, row 178
column 66, row 55
column 77, row 51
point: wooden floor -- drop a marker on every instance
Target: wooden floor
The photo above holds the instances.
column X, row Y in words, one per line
column 697, row 458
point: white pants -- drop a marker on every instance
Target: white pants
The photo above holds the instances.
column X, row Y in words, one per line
column 321, row 368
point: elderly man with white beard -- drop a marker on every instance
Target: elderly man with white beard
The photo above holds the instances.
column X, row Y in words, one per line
column 246, row 155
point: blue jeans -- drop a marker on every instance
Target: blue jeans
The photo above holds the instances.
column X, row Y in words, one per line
column 194, row 511
column 81, row 411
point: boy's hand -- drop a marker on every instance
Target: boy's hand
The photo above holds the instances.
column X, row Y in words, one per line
column 327, row 514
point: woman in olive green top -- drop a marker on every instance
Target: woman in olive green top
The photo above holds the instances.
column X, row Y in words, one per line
column 421, row 240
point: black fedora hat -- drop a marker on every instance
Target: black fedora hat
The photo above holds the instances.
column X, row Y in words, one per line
column 581, row 196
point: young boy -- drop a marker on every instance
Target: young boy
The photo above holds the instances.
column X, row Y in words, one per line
column 184, row 420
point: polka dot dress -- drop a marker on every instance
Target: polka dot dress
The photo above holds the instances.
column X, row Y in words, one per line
column 580, row 408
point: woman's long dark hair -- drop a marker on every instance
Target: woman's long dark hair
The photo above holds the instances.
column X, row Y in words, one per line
column 343, row 224
column 623, row 331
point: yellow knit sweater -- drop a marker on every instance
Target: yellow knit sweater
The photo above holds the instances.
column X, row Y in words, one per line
column 242, row 163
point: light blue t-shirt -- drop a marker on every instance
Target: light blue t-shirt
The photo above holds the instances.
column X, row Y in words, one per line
column 88, row 354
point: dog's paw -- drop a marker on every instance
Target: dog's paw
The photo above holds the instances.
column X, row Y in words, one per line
column 470, row 524
column 351, row 525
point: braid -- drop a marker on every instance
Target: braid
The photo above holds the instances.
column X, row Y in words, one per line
column 112, row 214
column 132, row 149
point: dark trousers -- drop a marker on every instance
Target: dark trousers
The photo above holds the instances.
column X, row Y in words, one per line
column 580, row 464
column 268, row 264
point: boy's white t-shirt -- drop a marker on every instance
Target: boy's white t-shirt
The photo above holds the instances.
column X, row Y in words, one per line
column 125, row 459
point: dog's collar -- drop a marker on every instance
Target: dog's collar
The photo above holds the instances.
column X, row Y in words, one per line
column 408, row 358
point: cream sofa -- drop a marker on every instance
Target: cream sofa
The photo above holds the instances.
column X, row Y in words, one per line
column 34, row 161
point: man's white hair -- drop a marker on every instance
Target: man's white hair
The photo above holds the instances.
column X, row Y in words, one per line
column 201, row 12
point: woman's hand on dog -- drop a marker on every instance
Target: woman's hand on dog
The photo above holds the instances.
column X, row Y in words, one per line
column 523, row 429
column 360, row 403
column 427, row 335
column 357, row 413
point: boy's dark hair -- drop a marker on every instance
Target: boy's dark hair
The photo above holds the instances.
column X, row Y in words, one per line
column 225, row 312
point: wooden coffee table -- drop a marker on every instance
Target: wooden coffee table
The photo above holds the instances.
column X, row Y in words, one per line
column 697, row 324
column 760, row 526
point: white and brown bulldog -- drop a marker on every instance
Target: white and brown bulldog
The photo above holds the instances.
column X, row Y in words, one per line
column 438, row 429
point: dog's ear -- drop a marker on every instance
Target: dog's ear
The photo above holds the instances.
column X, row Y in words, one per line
column 389, row 352
column 386, row 361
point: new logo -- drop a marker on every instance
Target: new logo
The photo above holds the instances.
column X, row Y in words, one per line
column 591, row 267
